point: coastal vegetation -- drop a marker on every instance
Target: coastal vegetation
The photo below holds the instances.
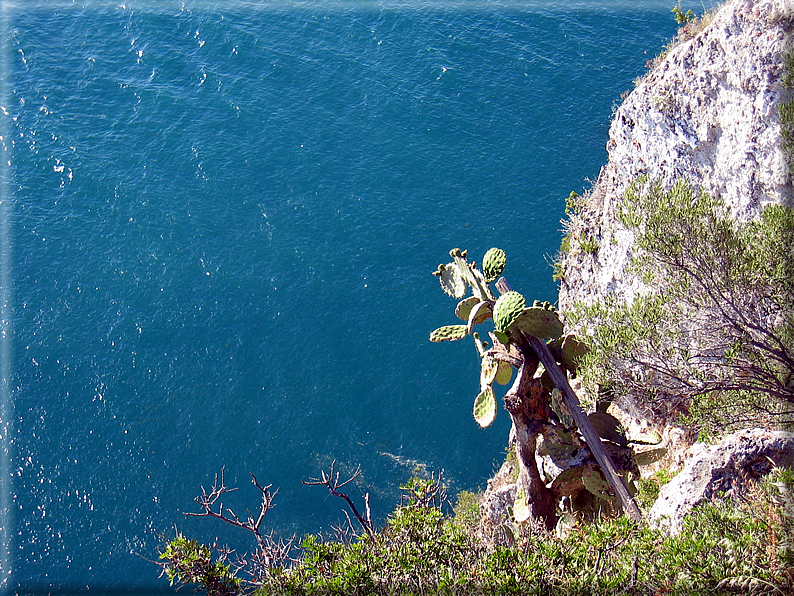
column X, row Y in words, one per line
column 712, row 337
column 708, row 342
column 426, row 548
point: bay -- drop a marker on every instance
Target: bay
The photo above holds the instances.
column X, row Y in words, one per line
column 219, row 223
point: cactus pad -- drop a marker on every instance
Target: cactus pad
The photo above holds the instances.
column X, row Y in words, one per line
column 488, row 369
column 504, row 373
column 451, row 280
column 464, row 307
column 594, row 482
column 485, row 407
column 569, row 482
column 449, row 333
column 507, row 309
column 608, row 427
column 493, row 263
column 573, row 351
column 502, row 338
column 539, row 322
column 479, row 314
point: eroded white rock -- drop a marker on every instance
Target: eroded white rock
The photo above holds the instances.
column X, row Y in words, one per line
column 721, row 471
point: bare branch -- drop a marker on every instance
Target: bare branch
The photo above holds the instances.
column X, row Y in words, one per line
column 331, row 482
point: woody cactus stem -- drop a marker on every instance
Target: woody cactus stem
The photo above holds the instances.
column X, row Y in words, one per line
column 570, row 399
column 527, row 404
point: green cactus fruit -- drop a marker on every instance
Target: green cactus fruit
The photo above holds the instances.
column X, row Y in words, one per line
column 507, row 309
column 451, row 280
column 521, row 511
column 539, row 322
column 493, row 263
column 595, row 483
column 485, row 407
column 464, row 307
column 449, row 333
column 504, row 373
column 573, row 351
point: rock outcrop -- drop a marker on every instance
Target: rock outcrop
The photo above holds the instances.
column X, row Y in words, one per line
column 707, row 113
column 721, row 471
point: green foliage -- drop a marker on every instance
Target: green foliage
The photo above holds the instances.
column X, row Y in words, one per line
column 649, row 487
column 589, row 244
column 786, row 110
column 723, row 548
column 681, row 17
column 714, row 341
column 572, row 203
column 189, row 562
column 467, row 510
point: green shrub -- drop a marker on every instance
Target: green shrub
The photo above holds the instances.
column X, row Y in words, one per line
column 714, row 338
column 723, row 548
column 189, row 562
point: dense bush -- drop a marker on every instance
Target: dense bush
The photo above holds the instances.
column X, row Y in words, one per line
column 713, row 337
column 724, row 548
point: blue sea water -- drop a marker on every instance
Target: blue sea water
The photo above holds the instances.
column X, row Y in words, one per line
column 217, row 228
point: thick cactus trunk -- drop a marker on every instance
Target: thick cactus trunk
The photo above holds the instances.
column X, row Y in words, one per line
column 528, row 406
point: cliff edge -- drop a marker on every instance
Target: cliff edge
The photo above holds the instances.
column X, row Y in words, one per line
column 707, row 113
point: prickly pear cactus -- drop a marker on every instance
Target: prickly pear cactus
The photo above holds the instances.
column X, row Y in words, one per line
column 507, row 309
column 540, row 322
column 504, row 373
column 451, row 279
column 489, row 367
column 485, row 407
column 481, row 312
column 573, row 351
column 493, row 264
column 449, row 333
column 595, row 483
column 464, row 307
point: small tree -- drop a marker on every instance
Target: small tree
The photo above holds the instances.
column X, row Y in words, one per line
column 714, row 334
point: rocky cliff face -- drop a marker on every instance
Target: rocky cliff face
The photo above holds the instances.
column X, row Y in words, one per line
column 707, row 112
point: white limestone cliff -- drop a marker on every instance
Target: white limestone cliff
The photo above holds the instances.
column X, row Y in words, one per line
column 707, row 112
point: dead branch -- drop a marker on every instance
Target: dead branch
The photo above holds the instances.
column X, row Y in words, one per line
column 269, row 552
column 332, row 483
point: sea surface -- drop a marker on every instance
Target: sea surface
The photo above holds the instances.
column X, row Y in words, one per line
column 218, row 224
